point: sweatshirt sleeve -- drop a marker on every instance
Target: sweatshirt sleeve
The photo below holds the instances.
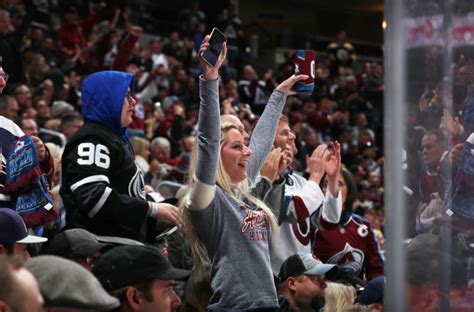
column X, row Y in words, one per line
column 208, row 139
column 263, row 135
column 311, row 195
column 332, row 208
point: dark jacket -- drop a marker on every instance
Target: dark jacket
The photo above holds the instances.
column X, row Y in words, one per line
column 285, row 305
column 102, row 187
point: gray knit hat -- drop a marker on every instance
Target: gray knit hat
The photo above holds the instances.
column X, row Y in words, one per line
column 64, row 283
column 60, row 109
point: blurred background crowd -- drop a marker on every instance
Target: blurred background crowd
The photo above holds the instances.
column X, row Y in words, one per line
column 49, row 47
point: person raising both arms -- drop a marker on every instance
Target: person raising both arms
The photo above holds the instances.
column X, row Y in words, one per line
column 223, row 221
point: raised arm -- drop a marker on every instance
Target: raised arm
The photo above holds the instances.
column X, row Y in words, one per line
column 332, row 206
column 269, row 186
column 208, row 137
column 264, row 133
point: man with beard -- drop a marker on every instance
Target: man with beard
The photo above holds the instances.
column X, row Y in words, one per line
column 302, row 280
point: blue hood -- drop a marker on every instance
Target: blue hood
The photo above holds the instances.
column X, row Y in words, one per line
column 102, row 99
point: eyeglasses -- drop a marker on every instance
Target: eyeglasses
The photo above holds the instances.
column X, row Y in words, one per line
column 4, row 76
column 129, row 96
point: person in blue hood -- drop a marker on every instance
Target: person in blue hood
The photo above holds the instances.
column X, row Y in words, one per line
column 102, row 187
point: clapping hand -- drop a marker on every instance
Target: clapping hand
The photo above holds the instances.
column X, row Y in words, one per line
column 333, row 166
column 271, row 165
column 276, row 163
column 316, row 163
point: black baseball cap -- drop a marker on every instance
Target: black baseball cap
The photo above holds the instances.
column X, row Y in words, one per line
column 132, row 265
column 74, row 243
column 304, row 263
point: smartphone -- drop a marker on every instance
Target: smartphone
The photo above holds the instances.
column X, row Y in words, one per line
column 158, row 107
column 305, row 65
column 215, row 47
column 166, row 233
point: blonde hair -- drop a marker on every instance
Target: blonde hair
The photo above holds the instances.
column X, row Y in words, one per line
column 53, row 124
column 139, row 144
column 338, row 297
column 283, row 119
column 357, row 308
column 239, row 192
column 56, row 154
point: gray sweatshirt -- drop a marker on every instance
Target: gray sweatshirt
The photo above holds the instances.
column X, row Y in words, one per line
column 263, row 135
column 234, row 233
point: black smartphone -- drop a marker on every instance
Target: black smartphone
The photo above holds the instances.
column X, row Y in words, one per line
column 215, row 47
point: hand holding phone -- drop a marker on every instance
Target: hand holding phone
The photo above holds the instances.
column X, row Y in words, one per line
column 211, row 54
column 166, row 233
column 305, row 65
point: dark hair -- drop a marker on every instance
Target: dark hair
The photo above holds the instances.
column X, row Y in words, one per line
column 8, row 248
column 15, row 86
column 351, row 189
column 121, row 294
column 19, row 120
column 198, row 290
column 4, row 99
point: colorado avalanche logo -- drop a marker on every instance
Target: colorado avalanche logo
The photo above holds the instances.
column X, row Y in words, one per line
column 301, row 229
column 349, row 258
column 136, row 187
column 19, row 146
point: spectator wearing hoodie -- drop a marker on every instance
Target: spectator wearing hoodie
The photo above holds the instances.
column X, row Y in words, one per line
column 103, row 189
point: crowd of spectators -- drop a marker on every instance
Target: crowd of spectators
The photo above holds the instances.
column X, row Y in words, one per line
column 47, row 49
